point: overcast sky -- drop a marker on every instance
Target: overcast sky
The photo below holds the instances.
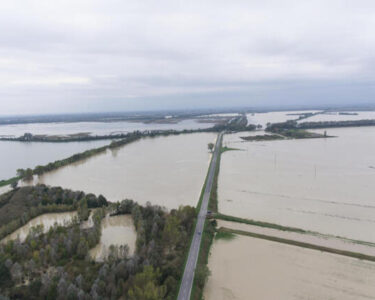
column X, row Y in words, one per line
column 85, row 56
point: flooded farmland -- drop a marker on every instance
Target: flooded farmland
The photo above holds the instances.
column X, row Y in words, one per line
column 274, row 117
column 323, row 185
column 310, row 238
column 47, row 220
column 16, row 155
column 249, row 268
column 95, row 128
column 116, row 230
column 167, row 171
column 337, row 116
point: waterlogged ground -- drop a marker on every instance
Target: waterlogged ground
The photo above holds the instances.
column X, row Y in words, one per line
column 323, row 185
column 167, row 171
column 94, row 128
column 249, row 268
column 47, row 220
column 335, row 116
column 116, row 230
column 16, row 155
column 274, row 117
column 310, row 238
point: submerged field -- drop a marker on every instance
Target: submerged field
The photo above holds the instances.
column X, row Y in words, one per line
column 249, row 268
column 167, row 171
column 95, row 128
column 118, row 231
column 46, row 220
column 274, row 117
column 17, row 155
column 346, row 116
column 324, row 185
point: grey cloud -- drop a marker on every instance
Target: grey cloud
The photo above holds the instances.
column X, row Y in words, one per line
column 95, row 55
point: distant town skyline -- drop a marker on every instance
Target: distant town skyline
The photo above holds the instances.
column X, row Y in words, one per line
column 91, row 56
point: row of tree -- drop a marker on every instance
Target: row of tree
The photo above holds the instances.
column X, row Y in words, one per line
column 19, row 206
column 57, row 265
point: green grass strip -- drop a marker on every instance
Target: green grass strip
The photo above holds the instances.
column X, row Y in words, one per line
column 299, row 244
column 286, row 228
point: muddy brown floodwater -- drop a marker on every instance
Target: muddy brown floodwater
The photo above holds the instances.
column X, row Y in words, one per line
column 116, row 230
column 47, row 220
column 249, row 268
column 323, row 185
column 167, row 171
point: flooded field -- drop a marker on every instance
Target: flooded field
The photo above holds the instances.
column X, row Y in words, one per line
column 336, row 116
column 249, row 268
column 16, row 155
column 274, row 117
column 47, row 220
column 323, row 185
column 315, row 239
column 116, row 230
column 168, row 171
column 94, row 128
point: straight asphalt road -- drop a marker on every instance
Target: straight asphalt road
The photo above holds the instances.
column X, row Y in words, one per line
column 188, row 277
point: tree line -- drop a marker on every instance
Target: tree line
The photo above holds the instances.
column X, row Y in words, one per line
column 57, row 264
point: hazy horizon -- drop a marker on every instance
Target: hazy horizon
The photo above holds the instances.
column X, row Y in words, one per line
column 93, row 56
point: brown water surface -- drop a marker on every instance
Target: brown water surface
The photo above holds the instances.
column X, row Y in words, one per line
column 323, row 185
column 249, row 268
column 167, row 171
column 47, row 220
column 116, row 230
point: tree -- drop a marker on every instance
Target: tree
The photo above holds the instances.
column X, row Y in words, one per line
column 14, row 184
column 16, row 272
column 210, row 146
column 82, row 248
column 21, row 172
column 26, row 175
column 145, row 286
column 171, row 234
column 83, row 211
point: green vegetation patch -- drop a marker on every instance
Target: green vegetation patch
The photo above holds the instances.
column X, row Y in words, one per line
column 259, row 223
column 286, row 228
column 20, row 205
column 265, row 137
column 224, row 235
column 57, row 264
column 299, row 244
column 9, row 181
column 225, row 149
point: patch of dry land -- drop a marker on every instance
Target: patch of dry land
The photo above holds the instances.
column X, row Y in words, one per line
column 322, row 185
column 166, row 171
column 249, row 268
